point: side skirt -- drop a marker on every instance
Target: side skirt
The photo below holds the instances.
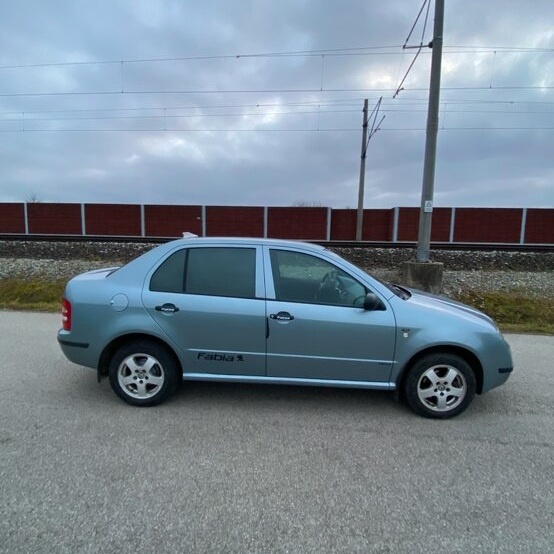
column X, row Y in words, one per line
column 289, row 381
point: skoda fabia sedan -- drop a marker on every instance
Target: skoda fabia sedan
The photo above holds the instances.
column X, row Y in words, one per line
column 269, row 311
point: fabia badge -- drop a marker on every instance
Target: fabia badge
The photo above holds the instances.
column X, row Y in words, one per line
column 213, row 357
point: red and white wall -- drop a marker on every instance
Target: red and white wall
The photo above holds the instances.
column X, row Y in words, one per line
column 454, row 225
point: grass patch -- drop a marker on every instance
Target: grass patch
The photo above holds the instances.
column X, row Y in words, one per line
column 514, row 312
column 32, row 294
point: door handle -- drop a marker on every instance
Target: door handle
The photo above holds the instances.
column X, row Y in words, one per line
column 282, row 316
column 167, row 308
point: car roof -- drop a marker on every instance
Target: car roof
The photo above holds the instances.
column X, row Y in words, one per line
column 135, row 268
column 238, row 241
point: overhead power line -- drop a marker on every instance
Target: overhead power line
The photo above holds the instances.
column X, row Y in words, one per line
column 190, row 91
column 181, row 116
column 484, row 49
column 339, row 101
column 266, row 130
column 314, row 103
column 24, row 117
column 283, row 54
column 376, row 50
column 260, row 91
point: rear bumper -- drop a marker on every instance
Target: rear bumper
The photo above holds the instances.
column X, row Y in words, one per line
column 68, row 343
column 77, row 351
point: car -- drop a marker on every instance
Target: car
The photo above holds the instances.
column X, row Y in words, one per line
column 275, row 311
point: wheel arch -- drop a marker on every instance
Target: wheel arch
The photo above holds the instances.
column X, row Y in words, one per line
column 460, row 351
column 118, row 342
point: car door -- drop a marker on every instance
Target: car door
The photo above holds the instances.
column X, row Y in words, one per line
column 318, row 328
column 209, row 301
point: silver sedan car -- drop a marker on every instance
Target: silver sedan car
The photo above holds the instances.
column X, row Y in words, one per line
column 271, row 311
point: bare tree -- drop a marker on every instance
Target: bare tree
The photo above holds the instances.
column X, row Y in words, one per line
column 33, row 198
column 308, row 204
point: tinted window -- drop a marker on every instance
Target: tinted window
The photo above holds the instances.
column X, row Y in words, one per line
column 221, row 272
column 169, row 277
column 304, row 278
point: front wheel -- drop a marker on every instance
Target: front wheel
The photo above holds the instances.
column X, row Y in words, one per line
column 440, row 386
column 143, row 373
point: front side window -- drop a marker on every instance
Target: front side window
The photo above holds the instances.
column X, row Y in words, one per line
column 303, row 278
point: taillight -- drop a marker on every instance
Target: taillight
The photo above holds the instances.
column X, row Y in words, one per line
column 66, row 314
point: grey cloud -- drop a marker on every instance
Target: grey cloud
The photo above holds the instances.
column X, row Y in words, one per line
column 268, row 167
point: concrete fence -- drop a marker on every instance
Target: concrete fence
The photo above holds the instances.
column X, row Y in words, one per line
column 450, row 225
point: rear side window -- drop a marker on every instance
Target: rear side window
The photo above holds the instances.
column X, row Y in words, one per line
column 170, row 276
column 208, row 271
column 221, row 272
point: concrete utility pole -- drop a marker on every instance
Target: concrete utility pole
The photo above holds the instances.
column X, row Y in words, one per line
column 360, row 215
column 425, row 215
column 422, row 273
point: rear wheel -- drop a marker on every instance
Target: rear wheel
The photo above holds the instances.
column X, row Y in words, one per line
column 143, row 373
column 440, row 386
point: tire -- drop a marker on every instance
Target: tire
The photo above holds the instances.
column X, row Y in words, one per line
column 440, row 386
column 143, row 373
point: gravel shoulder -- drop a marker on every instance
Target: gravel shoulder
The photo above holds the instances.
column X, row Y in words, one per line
column 530, row 274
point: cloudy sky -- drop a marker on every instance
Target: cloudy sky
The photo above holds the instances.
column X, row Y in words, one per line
column 259, row 102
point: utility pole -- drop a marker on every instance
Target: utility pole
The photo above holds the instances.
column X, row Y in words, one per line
column 426, row 212
column 365, row 142
column 360, row 215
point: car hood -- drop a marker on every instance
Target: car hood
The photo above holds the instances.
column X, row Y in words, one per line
column 432, row 301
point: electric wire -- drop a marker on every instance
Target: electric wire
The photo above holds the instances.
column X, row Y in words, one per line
column 292, row 53
column 264, row 91
column 166, row 112
column 298, row 130
column 330, row 102
column 379, row 50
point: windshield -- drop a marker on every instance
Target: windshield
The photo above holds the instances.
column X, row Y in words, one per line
column 397, row 290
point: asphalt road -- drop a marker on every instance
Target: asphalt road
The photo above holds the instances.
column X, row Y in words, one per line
column 239, row 468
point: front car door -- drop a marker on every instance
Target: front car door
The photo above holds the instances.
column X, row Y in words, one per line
column 209, row 301
column 318, row 328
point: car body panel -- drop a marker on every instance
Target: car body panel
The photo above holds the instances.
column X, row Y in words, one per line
column 429, row 322
column 214, row 334
column 310, row 346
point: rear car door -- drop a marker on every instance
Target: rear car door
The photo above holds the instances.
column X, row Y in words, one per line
column 209, row 301
column 318, row 328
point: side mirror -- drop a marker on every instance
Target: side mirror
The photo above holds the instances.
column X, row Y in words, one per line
column 372, row 302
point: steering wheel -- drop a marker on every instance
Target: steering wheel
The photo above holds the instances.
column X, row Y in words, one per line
column 330, row 288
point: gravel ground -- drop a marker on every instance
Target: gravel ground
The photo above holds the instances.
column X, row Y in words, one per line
column 528, row 273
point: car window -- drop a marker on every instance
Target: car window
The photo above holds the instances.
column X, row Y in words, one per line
column 304, row 278
column 221, row 272
column 170, row 276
